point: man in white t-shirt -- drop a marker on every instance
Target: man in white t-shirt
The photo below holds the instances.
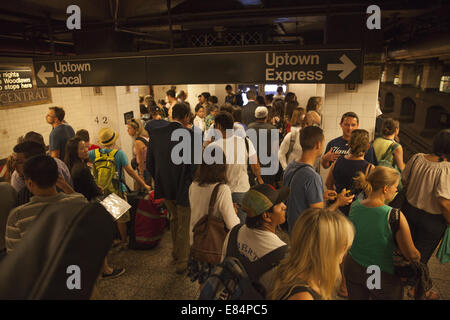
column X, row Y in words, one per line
column 257, row 238
column 238, row 156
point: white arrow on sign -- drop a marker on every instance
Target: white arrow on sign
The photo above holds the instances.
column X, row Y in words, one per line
column 42, row 75
column 347, row 66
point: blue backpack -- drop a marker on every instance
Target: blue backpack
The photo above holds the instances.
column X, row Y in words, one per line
column 237, row 278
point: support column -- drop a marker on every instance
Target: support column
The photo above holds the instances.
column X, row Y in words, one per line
column 407, row 75
column 389, row 73
column 431, row 77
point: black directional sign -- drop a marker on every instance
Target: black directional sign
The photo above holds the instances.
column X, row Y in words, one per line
column 308, row 66
column 314, row 66
column 15, row 78
column 91, row 72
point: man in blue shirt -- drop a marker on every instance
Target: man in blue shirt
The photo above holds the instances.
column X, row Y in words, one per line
column 305, row 183
column 60, row 134
column 339, row 146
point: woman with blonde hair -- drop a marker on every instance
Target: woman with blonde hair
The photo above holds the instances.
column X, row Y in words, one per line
column 375, row 238
column 318, row 243
column 140, row 135
column 290, row 148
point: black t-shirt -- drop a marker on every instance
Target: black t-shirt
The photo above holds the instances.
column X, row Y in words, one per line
column 83, row 181
column 155, row 124
column 340, row 146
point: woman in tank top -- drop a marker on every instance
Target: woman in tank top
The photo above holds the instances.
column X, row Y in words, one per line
column 386, row 148
column 374, row 240
column 140, row 135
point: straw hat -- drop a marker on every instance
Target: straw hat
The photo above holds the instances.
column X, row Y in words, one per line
column 107, row 137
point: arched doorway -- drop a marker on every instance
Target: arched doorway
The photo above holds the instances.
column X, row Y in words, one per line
column 408, row 110
column 389, row 102
column 438, row 118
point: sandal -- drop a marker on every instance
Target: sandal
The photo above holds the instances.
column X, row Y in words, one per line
column 114, row 274
column 429, row 295
column 432, row 295
column 116, row 243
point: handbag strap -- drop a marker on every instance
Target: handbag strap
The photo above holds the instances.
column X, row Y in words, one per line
column 394, row 221
column 212, row 200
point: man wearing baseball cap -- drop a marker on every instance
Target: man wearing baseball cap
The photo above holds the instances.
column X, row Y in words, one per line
column 266, row 148
column 256, row 238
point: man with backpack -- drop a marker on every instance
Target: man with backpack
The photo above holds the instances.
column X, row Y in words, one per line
column 251, row 251
column 108, row 163
column 305, row 183
column 239, row 154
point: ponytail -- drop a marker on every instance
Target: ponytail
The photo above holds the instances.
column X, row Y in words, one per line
column 361, row 182
column 377, row 178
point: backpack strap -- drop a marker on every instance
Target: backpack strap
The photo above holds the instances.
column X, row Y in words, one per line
column 291, row 143
column 388, row 151
column 257, row 268
column 301, row 166
column 247, row 148
column 232, row 249
column 97, row 153
column 267, row 262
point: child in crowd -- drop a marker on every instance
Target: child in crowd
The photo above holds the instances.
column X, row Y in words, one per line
column 209, row 120
column 199, row 120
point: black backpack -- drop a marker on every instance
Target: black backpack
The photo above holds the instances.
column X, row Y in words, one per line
column 42, row 264
column 237, row 278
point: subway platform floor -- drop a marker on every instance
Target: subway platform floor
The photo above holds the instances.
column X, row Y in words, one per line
column 150, row 275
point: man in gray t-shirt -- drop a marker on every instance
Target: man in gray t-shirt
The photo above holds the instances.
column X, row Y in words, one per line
column 61, row 132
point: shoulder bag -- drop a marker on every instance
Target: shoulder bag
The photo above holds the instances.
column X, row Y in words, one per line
column 209, row 234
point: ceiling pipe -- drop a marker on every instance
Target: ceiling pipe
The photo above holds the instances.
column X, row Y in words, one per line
column 170, row 24
column 430, row 47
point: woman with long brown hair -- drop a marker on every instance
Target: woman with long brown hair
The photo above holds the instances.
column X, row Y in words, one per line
column 207, row 177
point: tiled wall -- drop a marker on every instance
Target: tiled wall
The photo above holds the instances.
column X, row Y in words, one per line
column 82, row 108
column 304, row 91
column 18, row 121
column 338, row 101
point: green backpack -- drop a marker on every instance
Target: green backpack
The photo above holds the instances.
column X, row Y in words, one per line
column 105, row 171
column 387, row 160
